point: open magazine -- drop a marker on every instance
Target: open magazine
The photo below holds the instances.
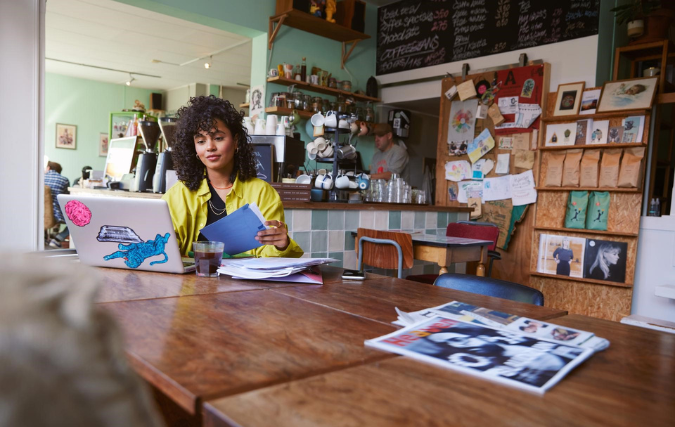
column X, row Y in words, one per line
column 500, row 355
column 496, row 319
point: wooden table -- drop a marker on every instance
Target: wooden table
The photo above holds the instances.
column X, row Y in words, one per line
column 631, row 383
column 444, row 250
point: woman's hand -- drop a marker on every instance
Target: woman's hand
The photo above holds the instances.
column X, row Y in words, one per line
column 277, row 235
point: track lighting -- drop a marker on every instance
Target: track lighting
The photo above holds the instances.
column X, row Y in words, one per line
column 207, row 64
column 131, row 79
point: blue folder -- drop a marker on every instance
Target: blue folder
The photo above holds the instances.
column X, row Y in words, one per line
column 237, row 230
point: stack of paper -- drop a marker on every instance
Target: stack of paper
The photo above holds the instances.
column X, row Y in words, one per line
column 285, row 269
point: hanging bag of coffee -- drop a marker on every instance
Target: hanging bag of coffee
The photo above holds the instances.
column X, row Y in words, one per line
column 571, row 168
column 598, row 209
column 631, row 167
column 588, row 176
column 609, row 168
column 554, row 169
column 577, row 202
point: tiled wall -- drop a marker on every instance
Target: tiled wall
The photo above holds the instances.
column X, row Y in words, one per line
column 328, row 233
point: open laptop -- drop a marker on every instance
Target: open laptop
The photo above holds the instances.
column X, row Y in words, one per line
column 121, row 232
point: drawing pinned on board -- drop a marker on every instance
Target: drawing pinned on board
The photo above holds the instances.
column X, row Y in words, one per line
column 480, row 145
column 457, row 171
column 461, row 126
column 528, row 88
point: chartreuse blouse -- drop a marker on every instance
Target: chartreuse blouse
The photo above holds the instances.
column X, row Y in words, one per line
column 189, row 210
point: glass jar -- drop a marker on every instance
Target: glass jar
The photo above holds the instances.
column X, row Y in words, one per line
column 370, row 113
column 332, row 83
column 341, row 105
column 317, row 102
column 290, row 102
column 346, row 85
column 297, row 100
column 307, row 102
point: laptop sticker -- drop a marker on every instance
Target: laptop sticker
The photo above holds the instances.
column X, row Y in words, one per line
column 78, row 213
column 134, row 253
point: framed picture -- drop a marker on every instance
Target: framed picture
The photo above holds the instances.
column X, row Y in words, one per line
column 630, row 94
column 66, row 136
column 605, row 260
column 569, row 99
column 589, row 101
column 561, row 255
column 102, row 144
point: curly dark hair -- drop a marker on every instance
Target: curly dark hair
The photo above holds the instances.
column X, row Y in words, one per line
column 200, row 114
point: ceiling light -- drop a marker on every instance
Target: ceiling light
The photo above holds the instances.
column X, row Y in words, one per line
column 131, row 79
column 207, row 64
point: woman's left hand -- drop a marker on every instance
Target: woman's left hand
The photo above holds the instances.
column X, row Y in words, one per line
column 277, row 235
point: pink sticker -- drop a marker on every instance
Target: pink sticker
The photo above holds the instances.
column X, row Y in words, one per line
column 78, row 213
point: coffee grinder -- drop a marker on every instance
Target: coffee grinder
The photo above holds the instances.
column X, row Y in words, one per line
column 147, row 161
column 164, row 160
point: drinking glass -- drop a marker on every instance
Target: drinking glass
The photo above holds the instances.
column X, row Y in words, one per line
column 207, row 257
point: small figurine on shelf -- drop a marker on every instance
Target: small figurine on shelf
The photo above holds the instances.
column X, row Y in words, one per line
column 138, row 106
column 330, row 10
column 317, row 8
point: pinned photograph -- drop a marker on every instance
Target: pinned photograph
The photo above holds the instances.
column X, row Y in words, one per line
column 615, row 134
column 630, row 94
column 599, row 132
column 568, row 99
column 605, row 260
column 561, row 255
column 66, row 136
column 589, row 101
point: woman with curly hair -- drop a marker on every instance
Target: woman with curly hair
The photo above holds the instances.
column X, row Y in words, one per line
column 215, row 166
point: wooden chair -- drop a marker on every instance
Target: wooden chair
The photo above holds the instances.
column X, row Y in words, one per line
column 50, row 219
column 384, row 249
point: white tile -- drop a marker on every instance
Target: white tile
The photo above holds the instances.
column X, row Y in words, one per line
column 431, row 220
column 336, row 241
column 349, row 260
column 367, row 219
column 306, row 255
column 302, row 220
column 407, row 220
column 381, row 220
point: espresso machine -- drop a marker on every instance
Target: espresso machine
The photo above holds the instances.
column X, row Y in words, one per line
column 164, row 159
column 147, row 161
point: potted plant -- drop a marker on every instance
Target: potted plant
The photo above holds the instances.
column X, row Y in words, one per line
column 655, row 16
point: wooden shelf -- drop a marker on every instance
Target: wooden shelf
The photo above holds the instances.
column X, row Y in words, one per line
column 642, row 50
column 596, row 116
column 289, row 112
column 312, row 24
column 611, row 190
column 244, row 105
column 594, row 146
column 320, row 89
column 585, row 231
column 581, row 279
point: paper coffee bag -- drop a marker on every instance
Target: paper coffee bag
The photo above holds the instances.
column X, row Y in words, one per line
column 554, row 170
column 571, row 168
column 631, row 167
column 609, row 168
column 588, row 175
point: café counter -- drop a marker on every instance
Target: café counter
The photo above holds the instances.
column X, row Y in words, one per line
column 325, row 229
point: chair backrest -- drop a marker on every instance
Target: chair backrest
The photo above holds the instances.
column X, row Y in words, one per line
column 490, row 287
column 385, row 256
column 50, row 220
column 482, row 230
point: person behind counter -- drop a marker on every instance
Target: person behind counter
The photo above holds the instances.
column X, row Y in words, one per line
column 389, row 157
column 216, row 170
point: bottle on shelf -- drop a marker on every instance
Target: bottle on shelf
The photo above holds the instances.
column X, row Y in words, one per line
column 654, row 207
column 303, row 69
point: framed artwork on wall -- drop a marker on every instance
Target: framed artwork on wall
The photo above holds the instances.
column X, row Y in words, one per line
column 630, row 94
column 66, row 136
column 102, row 144
column 568, row 100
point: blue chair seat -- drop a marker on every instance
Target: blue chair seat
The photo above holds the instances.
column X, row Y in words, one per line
column 490, row 287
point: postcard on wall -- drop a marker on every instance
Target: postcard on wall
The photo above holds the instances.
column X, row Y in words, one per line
column 521, row 141
column 599, row 132
column 505, row 143
column 615, row 134
column 605, row 260
column 508, row 105
column 561, row 134
column 522, row 189
column 583, row 135
column 497, row 188
column 561, row 255
column 480, row 145
column 589, row 101
column 461, row 125
column 465, row 187
column 457, row 171
column 633, row 128
column 630, row 94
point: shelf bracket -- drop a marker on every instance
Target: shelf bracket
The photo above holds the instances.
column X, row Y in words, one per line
column 273, row 31
column 345, row 56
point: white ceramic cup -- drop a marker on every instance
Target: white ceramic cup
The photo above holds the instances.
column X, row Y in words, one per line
column 320, row 143
column 343, row 124
column 311, row 156
column 318, row 182
column 353, row 184
column 311, row 148
column 271, row 125
column 342, row 182
column 331, row 119
column 317, row 119
column 327, row 152
column 281, row 130
column 303, row 179
column 327, row 183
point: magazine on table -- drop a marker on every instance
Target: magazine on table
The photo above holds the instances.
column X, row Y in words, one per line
column 499, row 355
column 496, row 319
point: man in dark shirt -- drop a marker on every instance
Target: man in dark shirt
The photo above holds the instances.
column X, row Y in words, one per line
column 59, row 185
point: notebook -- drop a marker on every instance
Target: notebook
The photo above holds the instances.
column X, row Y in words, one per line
column 121, row 232
column 237, row 230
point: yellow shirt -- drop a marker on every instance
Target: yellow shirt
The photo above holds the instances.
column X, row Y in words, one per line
column 189, row 212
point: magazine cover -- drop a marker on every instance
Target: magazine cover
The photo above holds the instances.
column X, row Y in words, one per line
column 605, row 260
column 498, row 355
column 561, row 255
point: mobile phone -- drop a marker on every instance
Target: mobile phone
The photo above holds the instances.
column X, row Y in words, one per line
column 354, row 275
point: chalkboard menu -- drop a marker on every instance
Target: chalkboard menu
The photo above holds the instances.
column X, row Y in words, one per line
column 420, row 33
column 263, row 155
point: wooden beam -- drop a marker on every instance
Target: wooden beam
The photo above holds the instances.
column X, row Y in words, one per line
column 273, row 34
column 346, row 56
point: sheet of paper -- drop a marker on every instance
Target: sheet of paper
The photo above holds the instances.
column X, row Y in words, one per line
column 457, row 171
column 480, row 145
column 465, row 187
column 508, row 105
column 523, row 159
column 522, row 189
column 521, row 141
column 467, row 90
column 528, row 113
column 461, row 126
column 495, row 114
column 505, row 143
column 497, row 188
column 503, row 161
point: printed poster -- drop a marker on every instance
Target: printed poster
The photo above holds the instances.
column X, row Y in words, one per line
column 461, row 126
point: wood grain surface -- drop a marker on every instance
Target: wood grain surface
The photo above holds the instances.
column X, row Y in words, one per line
column 376, row 297
column 129, row 285
column 628, row 384
column 207, row 346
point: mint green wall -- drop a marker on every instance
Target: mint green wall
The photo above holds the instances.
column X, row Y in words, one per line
column 86, row 104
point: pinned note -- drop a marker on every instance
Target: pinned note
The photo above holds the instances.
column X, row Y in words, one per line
column 467, row 90
column 503, row 161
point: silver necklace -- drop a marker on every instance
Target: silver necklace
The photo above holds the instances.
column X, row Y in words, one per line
column 216, row 210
